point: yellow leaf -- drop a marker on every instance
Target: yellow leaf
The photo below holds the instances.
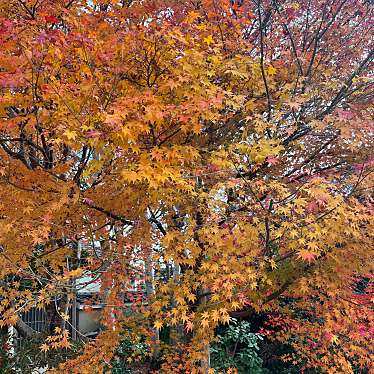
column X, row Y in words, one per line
column 204, row 323
column 70, row 135
column 225, row 317
column 235, row 305
column 209, row 40
column 272, row 70
column 75, row 273
column 64, row 316
column 189, row 326
column 334, row 339
column 273, row 264
column 158, row 325
column 215, row 315
column 191, row 297
column 130, row 176
column 44, row 347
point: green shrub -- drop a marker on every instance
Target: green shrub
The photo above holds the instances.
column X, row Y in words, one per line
column 237, row 348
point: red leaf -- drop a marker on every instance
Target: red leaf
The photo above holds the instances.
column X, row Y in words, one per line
column 272, row 160
column 305, row 255
column 344, row 114
column 93, row 134
column 51, row 19
column 89, row 202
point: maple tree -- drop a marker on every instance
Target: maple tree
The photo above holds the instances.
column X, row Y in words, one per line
column 220, row 151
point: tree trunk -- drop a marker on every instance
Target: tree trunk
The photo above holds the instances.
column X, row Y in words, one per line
column 25, row 330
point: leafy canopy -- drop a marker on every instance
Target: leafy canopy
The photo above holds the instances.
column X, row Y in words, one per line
column 216, row 154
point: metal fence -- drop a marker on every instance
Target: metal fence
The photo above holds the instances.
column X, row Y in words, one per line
column 36, row 319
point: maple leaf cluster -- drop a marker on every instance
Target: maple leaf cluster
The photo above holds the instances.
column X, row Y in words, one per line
column 198, row 161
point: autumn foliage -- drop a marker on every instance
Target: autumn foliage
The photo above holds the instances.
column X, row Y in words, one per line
column 220, row 151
